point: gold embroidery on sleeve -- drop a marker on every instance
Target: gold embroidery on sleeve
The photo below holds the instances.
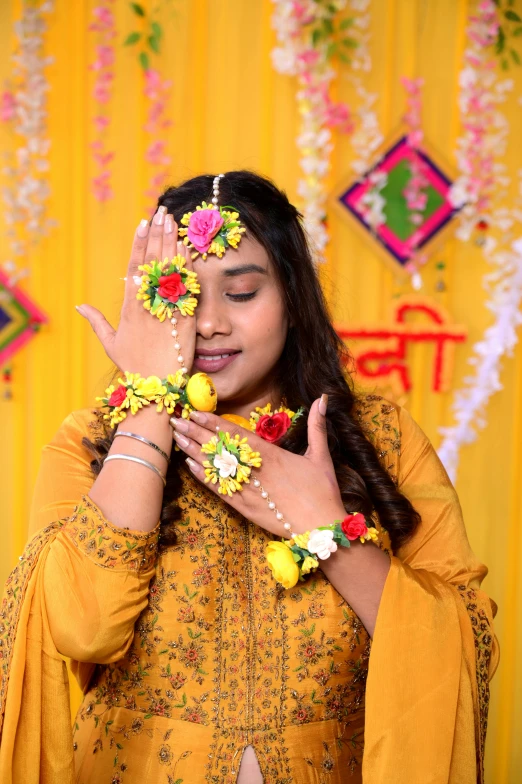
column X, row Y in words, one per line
column 107, row 545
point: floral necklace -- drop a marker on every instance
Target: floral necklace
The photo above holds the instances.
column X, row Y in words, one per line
column 268, row 424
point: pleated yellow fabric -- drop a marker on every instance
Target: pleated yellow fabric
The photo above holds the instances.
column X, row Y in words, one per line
column 170, row 686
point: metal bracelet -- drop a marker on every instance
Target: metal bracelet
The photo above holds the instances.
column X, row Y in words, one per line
column 144, row 441
column 138, row 460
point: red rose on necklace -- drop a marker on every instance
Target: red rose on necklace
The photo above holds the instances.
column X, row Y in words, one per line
column 354, row 526
column 272, row 427
column 171, row 287
column 118, row 396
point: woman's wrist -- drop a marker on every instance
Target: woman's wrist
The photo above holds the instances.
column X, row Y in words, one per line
column 150, row 424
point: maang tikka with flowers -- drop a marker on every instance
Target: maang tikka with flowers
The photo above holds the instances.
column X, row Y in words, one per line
column 211, row 228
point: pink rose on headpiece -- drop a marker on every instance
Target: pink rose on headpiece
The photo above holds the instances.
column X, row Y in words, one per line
column 203, row 227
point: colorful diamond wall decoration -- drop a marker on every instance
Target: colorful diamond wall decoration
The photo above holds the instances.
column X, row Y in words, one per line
column 398, row 238
column 20, row 318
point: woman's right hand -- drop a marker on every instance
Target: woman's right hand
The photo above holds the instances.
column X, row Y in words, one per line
column 141, row 343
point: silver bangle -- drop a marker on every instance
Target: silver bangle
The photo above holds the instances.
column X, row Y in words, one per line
column 138, row 460
column 144, row 441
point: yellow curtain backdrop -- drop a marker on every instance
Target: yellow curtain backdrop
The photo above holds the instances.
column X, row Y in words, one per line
column 230, row 110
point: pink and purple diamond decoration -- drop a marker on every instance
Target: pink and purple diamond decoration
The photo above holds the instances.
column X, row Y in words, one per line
column 398, row 236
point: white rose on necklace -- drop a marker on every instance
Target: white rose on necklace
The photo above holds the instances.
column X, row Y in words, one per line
column 321, row 543
column 226, row 464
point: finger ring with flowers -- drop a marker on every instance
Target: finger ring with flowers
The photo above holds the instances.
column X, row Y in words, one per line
column 230, row 462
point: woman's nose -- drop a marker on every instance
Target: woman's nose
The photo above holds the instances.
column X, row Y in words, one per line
column 211, row 319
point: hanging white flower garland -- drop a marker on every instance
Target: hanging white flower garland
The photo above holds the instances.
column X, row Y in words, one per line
column 24, row 106
column 367, row 136
column 481, row 184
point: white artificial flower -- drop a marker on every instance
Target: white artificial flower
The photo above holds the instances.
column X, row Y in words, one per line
column 321, row 543
column 458, row 194
column 284, row 61
column 226, row 463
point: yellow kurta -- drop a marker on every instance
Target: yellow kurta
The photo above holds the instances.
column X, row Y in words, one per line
column 187, row 654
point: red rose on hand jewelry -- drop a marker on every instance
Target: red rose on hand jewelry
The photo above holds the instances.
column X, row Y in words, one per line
column 273, row 425
column 167, row 286
column 171, row 287
column 354, row 526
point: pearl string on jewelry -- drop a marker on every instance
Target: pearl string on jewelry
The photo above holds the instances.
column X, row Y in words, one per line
column 215, row 188
column 177, row 344
column 272, row 506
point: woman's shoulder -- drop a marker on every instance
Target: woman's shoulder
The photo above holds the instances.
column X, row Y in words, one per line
column 391, row 429
column 79, row 424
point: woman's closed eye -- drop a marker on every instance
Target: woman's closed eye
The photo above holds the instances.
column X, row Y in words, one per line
column 243, row 297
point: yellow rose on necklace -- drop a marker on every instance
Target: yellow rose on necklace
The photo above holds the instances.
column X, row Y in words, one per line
column 201, row 392
column 282, row 564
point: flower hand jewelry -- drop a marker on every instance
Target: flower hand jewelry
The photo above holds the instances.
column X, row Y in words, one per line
column 167, row 286
column 211, row 229
column 273, row 425
column 291, row 559
column 230, row 462
column 177, row 392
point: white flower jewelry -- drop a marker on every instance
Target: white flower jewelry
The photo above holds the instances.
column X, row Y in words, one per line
column 321, row 543
column 226, row 463
column 230, row 462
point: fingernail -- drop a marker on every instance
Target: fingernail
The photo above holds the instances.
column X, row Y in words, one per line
column 169, row 224
column 192, row 464
column 180, row 247
column 323, row 404
column 159, row 218
column 181, row 425
column 79, row 308
column 182, row 441
column 199, row 417
column 143, row 228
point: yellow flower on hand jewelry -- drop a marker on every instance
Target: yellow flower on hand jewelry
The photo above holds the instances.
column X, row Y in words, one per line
column 230, row 462
column 202, row 392
column 311, row 547
column 172, row 393
column 132, row 393
column 167, row 286
column 282, row 564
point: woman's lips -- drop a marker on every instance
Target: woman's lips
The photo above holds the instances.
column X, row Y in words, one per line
column 206, row 364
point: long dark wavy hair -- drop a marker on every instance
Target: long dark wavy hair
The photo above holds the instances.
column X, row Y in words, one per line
column 314, row 359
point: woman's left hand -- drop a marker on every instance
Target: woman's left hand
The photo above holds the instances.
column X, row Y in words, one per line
column 303, row 487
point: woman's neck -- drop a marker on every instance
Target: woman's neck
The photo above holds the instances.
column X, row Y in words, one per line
column 244, row 407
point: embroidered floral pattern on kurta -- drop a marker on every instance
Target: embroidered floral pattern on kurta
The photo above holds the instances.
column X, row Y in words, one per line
column 222, row 657
column 223, row 646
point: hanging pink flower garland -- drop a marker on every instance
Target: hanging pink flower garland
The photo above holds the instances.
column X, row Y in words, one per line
column 310, row 37
column 157, row 91
column 24, row 105
column 148, row 38
column 103, row 66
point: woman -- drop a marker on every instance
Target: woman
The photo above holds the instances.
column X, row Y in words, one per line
column 196, row 664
